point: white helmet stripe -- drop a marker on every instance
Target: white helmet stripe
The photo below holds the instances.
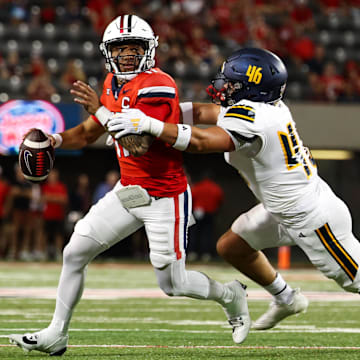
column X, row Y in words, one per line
column 125, row 24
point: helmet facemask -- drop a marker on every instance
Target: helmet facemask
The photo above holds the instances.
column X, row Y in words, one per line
column 141, row 62
column 223, row 91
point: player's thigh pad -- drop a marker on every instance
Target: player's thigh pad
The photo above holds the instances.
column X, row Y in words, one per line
column 260, row 229
column 332, row 248
column 108, row 222
column 166, row 222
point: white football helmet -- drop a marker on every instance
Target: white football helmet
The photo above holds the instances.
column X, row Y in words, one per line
column 127, row 28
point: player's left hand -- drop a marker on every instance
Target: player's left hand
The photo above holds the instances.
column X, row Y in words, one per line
column 86, row 96
column 129, row 121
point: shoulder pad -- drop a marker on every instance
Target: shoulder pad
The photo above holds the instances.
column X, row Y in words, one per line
column 242, row 112
column 157, row 77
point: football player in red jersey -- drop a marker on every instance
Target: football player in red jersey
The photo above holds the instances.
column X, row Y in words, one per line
column 152, row 192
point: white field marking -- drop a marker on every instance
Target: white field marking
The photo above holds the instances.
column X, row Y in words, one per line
column 109, row 294
column 114, row 320
column 223, row 324
column 280, row 329
column 29, row 313
column 211, row 347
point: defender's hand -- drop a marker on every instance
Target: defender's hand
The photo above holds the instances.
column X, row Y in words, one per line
column 134, row 121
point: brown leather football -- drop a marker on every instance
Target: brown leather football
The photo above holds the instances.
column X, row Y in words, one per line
column 36, row 156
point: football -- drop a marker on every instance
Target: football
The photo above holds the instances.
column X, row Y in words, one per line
column 36, row 156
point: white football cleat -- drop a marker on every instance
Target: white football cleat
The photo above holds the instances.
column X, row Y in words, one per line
column 278, row 312
column 237, row 312
column 44, row 341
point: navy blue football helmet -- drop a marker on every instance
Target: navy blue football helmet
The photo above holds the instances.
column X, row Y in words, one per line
column 252, row 74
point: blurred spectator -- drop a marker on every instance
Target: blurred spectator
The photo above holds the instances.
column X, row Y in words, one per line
column 13, row 64
column 48, row 12
column 192, row 7
column 286, row 34
column 4, row 72
column 317, row 62
column 40, row 87
column 302, row 48
column 302, row 15
column 37, row 66
column 18, row 12
column 198, row 45
column 32, row 246
column 316, row 91
column 332, row 81
column 19, row 210
column 101, row 12
column 331, row 6
column 235, row 29
column 352, row 83
column 112, row 177
column 79, row 200
column 207, row 196
column 72, row 13
column 55, row 197
column 259, row 32
column 73, row 71
column 4, row 192
column 37, row 250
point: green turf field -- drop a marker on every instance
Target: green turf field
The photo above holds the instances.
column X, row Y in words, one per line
column 124, row 316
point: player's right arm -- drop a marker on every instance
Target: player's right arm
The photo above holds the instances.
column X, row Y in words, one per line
column 81, row 135
column 200, row 113
column 180, row 136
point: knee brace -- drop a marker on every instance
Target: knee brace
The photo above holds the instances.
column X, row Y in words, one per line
column 174, row 280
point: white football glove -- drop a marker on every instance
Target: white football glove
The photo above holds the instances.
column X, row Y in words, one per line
column 133, row 121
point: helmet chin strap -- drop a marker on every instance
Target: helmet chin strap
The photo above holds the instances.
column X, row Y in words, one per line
column 126, row 77
column 131, row 75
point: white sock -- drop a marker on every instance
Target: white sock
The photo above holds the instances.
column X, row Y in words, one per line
column 219, row 292
column 280, row 290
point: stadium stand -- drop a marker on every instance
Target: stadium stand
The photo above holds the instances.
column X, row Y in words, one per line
column 195, row 37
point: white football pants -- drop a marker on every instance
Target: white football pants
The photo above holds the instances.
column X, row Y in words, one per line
column 108, row 222
column 331, row 247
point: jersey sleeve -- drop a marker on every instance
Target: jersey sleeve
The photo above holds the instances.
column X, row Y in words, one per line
column 160, row 112
column 239, row 122
column 106, row 84
column 158, row 97
column 157, row 86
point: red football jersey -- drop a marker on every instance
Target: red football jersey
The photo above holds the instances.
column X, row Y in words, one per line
column 154, row 92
